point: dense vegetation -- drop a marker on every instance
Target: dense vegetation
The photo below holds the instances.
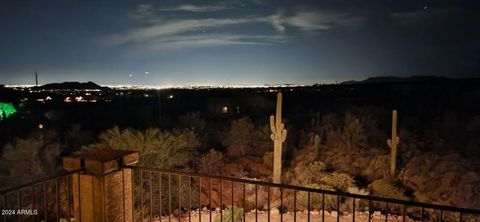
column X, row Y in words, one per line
column 338, row 147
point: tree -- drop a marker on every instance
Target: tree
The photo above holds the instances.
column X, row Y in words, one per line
column 239, row 137
column 244, row 138
column 159, row 149
column 29, row 159
column 211, row 163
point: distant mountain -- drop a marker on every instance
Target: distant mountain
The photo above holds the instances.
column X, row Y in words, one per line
column 392, row 79
column 71, row 85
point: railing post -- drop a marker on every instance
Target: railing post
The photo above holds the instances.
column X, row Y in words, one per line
column 104, row 190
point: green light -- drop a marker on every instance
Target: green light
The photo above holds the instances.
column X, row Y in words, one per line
column 8, row 108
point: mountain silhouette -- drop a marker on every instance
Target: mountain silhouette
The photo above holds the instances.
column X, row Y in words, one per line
column 71, row 85
column 394, row 79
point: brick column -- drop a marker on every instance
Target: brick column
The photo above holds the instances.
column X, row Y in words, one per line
column 104, row 191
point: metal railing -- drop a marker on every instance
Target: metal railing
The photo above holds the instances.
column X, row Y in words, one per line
column 48, row 199
column 178, row 194
column 163, row 195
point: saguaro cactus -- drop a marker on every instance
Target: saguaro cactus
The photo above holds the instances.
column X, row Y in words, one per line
column 278, row 136
column 392, row 143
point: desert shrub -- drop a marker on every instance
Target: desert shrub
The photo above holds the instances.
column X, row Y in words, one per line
column 353, row 132
column 160, row 149
column 243, row 138
column 316, row 199
column 357, row 190
column 29, row 159
column 261, row 142
column 211, row 163
column 227, row 214
column 379, row 167
column 388, row 189
column 446, row 179
column 340, row 181
column 350, row 134
column 432, row 190
column 238, row 138
column 312, row 172
column 315, row 175
column 385, row 188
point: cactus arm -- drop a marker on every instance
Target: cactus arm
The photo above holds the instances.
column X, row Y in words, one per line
column 393, row 142
column 284, row 135
column 272, row 124
column 282, row 126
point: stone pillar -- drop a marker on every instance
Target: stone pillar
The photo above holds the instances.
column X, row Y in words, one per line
column 104, row 190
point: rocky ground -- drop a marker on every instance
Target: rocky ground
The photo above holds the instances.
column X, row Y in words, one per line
column 315, row 215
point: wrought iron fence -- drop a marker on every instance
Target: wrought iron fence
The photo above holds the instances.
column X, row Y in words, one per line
column 48, row 199
column 162, row 195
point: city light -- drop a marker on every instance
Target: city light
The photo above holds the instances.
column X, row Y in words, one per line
column 79, row 99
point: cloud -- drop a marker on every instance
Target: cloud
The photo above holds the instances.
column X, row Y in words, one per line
column 176, row 32
column 172, row 27
column 277, row 21
column 206, row 40
column 196, row 8
column 143, row 11
column 313, row 20
column 261, row 2
column 149, row 11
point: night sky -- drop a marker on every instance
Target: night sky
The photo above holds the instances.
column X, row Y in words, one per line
column 236, row 42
